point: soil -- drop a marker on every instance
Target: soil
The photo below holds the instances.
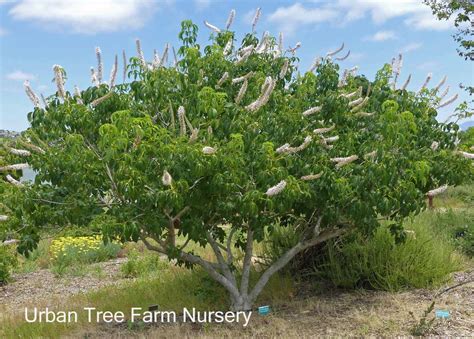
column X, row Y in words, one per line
column 337, row 313
column 44, row 287
column 331, row 312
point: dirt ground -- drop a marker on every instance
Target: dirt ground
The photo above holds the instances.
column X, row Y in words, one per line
column 330, row 313
column 43, row 287
column 336, row 313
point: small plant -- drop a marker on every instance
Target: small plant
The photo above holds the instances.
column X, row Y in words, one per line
column 423, row 325
column 139, row 266
column 74, row 252
column 8, row 261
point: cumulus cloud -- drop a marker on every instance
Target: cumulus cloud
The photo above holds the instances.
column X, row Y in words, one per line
column 414, row 13
column 289, row 18
column 382, row 36
column 411, row 47
column 20, row 76
column 202, row 4
column 86, row 16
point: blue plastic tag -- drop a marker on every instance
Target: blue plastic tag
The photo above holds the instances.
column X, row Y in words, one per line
column 264, row 310
column 442, row 314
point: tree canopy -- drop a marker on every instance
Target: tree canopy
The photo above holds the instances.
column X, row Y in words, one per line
column 223, row 145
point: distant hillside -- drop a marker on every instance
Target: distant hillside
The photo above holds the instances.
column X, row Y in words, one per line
column 465, row 125
column 9, row 134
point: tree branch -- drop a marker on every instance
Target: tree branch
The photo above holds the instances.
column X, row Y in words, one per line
column 230, row 257
column 244, row 285
column 182, row 212
column 285, row 258
column 220, row 259
column 151, row 247
column 211, row 271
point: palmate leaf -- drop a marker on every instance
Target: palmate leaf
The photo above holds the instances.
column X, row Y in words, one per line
column 361, row 152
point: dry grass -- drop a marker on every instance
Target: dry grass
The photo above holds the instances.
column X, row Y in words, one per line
column 334, row 313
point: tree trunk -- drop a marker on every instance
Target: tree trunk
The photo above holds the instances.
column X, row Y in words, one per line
column 241, row 299
column 241, row 303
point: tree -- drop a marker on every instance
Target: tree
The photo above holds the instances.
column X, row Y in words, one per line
column 462, row 11
column 224, row 146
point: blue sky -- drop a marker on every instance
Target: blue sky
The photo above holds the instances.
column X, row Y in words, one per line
column 36, row 34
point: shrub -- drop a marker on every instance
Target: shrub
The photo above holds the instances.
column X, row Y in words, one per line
column 424, row 259
column 457, row 225
column 139, row 266
column 8, row 261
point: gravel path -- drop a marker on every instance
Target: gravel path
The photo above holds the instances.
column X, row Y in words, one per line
column 42, row 287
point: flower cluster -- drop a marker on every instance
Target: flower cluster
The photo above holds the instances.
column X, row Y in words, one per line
column 82, row 245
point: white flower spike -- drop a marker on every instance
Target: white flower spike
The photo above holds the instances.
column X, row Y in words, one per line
column 311, row 176
column 312, row 110
column 404, row 87
column 13, row 181
column 20, row 152
column 208, row 150
column 14, row 167
column 166, row 179
column 330, row 54
column 449, row 101
column 277, row 189
column 113, row 73
column 255, row 18
column 437, row 191
column 31, row 94
column 212, row 27
column 441, row 83
column 100, row 65
column 230, row 19
column 427, row 80
column 242, row 92
column 344, row 57
column 58, row 78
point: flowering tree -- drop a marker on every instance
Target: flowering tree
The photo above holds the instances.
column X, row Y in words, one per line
column 225, row 144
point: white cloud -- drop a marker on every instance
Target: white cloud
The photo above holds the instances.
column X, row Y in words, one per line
column 411, row 47
column 427, row 21
column 414, row 13
column 86, row 16
column 382, row 36
column 289, row 18
column 20, row 76
column 3, row 31
column 202, row 4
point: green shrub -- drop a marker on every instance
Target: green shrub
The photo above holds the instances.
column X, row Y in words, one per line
column 277, row 243
column 424, row 259
column 8, row 261
column 464, row 193
column 140, row 266
column 458, row 225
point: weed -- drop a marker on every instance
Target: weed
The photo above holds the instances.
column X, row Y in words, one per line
column 423, row 326
column 141, row 266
